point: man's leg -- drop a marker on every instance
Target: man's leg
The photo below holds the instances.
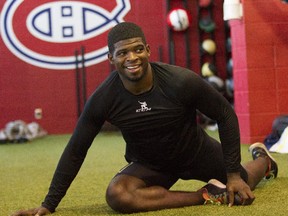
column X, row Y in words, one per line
column 134, row 191
column 256, row 171
column 262, row 166
column 128, row 194
column 146, row 190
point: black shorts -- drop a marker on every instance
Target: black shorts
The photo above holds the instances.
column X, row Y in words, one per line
column 209, row 164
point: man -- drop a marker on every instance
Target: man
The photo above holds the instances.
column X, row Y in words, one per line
column 155, row 105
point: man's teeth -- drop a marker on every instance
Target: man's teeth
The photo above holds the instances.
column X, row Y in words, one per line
column 132, row 67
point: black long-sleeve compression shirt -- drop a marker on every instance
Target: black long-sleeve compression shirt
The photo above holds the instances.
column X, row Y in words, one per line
column 160, row 126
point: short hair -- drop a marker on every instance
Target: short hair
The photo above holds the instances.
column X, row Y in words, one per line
column 123, row 31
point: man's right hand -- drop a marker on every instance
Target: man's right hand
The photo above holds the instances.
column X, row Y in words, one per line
column 33, row 212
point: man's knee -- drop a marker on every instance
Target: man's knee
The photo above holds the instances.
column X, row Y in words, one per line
column 119, row 195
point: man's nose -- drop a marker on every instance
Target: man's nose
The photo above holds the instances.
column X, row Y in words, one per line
column 132, row 55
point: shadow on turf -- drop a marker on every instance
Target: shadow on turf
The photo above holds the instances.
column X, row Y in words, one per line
column 97, row 209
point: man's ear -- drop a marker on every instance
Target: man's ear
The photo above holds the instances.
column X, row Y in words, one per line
column 110, row 58
column 148, row 49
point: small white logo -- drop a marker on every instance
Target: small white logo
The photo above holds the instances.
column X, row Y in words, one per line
column 143, row 108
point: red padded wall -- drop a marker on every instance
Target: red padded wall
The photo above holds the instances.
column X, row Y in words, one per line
column 260, row 49
column 25, row 87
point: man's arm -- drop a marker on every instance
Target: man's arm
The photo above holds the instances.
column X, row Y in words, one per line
column 74, row 154
column 211, row 103
column 88, row 126
column 215, row 106
column 201, row 95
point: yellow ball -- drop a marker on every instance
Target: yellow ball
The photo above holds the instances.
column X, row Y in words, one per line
column 209, row 46
column 208, row 69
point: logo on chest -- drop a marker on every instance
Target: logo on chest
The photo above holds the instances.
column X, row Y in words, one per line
column 144, row 107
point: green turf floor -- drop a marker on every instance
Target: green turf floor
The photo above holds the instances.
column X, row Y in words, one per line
column 26, row 171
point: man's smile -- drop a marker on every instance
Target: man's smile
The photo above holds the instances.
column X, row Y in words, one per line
column 133, row 68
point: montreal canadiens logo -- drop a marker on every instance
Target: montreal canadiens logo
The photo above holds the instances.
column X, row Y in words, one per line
column 46, row 33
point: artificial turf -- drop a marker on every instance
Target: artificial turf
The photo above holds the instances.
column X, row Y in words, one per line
column 26, row 171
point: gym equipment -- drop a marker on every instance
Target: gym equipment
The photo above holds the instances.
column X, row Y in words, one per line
column 206, row 24
column 187, row 37
column 229, row 67
column 228, row 44
column 209, row 46
column 170, row 37
column 217, row 83
column 208, row 69
column 78, row 85
column 178, row 19
column 80, row 76
column 205, row 3
column 229, row 83
column 181, row 27
column 83, row 71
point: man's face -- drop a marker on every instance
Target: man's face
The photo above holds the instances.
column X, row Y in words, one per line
column 131, row 58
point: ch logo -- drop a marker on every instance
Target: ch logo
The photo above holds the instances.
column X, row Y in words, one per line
column 45, row 34
column 144, row 107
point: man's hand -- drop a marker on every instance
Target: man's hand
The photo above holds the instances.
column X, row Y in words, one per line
column 33, row 212
column 235, row 184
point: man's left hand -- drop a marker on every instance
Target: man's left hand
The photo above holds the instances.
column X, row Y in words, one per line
column 236, row 185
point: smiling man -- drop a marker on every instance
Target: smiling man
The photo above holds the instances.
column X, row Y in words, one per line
column 155, row 107
column 131, row 59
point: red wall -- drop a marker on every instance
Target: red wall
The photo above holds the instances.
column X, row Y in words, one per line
column 260, row 50
column 25, row 87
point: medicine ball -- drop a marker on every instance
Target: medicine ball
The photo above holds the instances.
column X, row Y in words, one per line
column 217, row 83
column 207, row 24
column 178, row 19
column 208, row 69
column 229, row 67
column 228, row 44
column 229, row 87
column 209, row 46
column 205, row 3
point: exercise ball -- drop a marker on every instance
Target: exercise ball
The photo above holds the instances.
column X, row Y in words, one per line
column 205, row 3
column 228, row 44
column 229, row 83
column 179, row 19
column 207, row 24
column 209, row 46
column 208, row 69
column 229, row 67
column 217, row 83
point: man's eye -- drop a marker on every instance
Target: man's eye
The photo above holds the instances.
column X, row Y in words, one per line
column 121, row 54
column 139, row 50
